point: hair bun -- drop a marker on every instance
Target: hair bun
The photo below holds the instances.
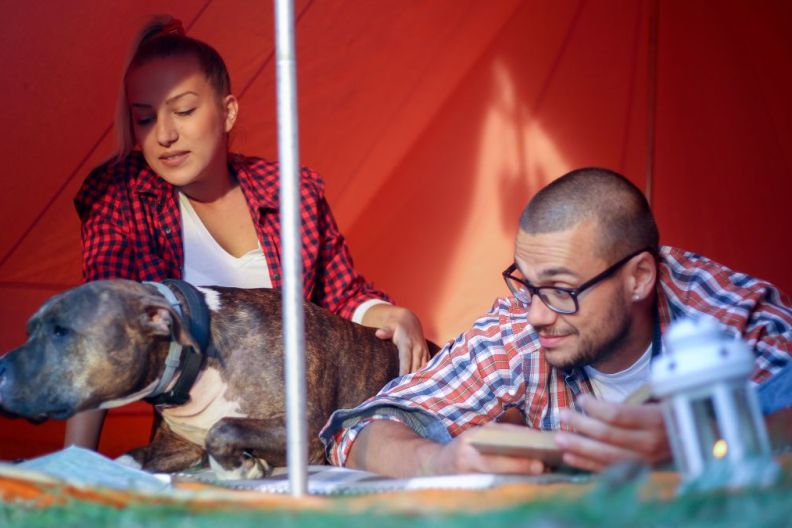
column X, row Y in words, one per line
column 174, row 27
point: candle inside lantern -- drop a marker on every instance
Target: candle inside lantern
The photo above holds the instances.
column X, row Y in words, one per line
column 720, row 449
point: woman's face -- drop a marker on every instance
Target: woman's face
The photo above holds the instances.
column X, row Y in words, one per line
column 179, row 121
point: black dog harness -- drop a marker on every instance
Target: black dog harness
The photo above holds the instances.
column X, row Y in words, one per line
column 183, row 361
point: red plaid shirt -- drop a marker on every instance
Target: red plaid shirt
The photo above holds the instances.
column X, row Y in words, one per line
column 499, row 363
column 131, row 229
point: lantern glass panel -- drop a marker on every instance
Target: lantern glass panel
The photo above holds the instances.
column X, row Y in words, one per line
column 751, row 444
column 711, row 444
column 675, row 435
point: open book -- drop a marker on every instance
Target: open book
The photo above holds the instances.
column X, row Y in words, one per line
column 518, row 441
column 534, row 443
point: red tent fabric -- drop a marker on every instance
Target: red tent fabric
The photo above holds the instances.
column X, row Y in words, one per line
column 432, row 122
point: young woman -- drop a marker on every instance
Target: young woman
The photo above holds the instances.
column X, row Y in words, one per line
column 174, row 203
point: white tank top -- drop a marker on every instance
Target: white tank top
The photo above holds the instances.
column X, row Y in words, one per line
column 206, row 263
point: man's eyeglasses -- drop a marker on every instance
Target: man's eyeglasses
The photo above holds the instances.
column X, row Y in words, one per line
column 557, row 298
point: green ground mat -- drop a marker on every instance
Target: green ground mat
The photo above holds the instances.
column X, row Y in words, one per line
column 622, row 507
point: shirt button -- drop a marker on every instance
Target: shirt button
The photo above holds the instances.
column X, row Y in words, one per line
column 167, row 230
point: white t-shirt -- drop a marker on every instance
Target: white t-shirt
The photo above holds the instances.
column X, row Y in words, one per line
column 206, row 263
column 617, row 386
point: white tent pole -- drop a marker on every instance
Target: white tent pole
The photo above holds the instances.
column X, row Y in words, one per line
column 651, row 98
column 288, row 155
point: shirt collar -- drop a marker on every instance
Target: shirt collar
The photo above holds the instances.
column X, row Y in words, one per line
column 260, row 187
column 142, row 178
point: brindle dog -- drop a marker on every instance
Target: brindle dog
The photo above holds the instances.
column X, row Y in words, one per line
column 104, row 343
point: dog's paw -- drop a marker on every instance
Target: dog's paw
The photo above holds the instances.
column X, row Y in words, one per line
column 128, row 461
column 250, row 468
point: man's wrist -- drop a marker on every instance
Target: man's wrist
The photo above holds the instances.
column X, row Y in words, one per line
column 427, row 453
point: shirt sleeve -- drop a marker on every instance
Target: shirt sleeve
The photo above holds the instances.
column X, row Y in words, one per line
column 472, row 381
column 340, row 288
column 744, row 306
column 360, row 311
column 106, row 253
column 768, row 331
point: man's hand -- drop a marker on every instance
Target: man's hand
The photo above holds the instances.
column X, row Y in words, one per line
column 402, row 327
column 612, row 432
column 459, row 456
column 393, row 449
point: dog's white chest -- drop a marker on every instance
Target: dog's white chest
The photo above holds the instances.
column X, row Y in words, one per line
column 207, row 405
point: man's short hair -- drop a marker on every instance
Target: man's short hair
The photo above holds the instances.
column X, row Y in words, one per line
column 624, row 220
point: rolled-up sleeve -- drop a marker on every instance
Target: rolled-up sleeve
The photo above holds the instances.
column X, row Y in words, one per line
column 471, row 381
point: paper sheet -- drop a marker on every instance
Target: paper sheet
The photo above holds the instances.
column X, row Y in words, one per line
column 75, row 465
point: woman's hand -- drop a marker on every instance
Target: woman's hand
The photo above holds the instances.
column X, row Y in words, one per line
column 402, row 327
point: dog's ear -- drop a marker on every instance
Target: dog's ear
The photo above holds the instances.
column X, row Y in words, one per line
column 158, row 318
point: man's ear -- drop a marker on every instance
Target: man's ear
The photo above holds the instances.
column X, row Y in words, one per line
column 643, row 276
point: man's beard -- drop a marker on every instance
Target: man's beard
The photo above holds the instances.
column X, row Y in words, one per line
column 599, row 346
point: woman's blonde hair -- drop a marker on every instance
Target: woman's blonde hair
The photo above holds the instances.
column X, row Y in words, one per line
column 164, row 36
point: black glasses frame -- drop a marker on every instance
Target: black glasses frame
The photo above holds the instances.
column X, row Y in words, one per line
column 573, row 292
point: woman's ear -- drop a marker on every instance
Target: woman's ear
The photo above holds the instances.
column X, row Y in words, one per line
column 231, row 108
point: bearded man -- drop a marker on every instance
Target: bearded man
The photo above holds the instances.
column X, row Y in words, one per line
column 592, row 294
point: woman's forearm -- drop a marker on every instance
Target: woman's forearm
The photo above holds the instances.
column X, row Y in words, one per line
column 83, row 429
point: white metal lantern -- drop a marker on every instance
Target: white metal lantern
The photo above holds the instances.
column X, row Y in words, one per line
column 711, row 410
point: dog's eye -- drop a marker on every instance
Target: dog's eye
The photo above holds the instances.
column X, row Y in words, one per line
column 60, row 331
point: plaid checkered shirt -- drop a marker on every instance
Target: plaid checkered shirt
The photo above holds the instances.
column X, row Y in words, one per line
column 499, row 363
column 131, row 229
